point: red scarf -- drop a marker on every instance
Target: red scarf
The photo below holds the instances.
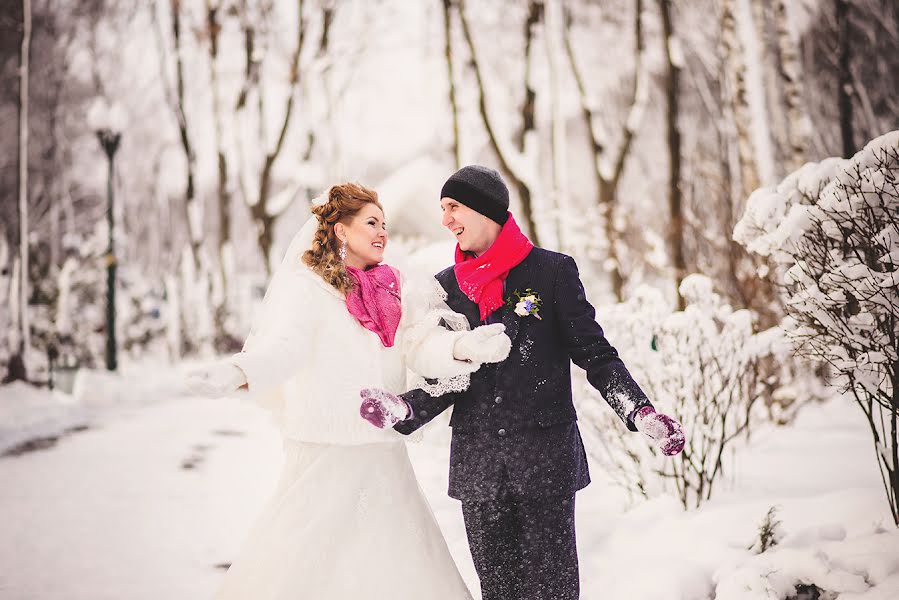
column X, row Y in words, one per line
column 481, row 278
column 375, row 301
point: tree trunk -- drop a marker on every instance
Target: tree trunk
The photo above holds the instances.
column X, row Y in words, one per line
column 17, row 364
column 259, row 210
column 844, row 81
column 672, row 92
column 192, row 211
column 224, row 195
column 738, row 96
column 893, row 449
column 607, row 179
column 558, row 139
column 448, row 54
column 753, row 291
column 791, row 81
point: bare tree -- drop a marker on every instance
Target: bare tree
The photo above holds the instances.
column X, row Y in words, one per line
column 17, row 364
column 448, row 54
column 754, row 290
column 510, row 157
column 736, row 94
column 607, row 167
column 790, row 71
column 192, row 209
column 263, row 216
column 214, row 28
column 674, row 60
column 845, row 83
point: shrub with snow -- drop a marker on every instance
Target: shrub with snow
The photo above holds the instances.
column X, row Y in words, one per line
column 701, row 365
column 833, row 229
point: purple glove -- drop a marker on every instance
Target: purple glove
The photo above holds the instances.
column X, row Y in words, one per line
column 383, row 409
column 665, row 431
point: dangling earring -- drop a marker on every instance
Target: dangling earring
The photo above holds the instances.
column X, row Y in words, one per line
column 342, row 251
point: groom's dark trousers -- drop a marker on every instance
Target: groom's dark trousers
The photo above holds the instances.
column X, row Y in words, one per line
column 523, row 547
column 516, row 456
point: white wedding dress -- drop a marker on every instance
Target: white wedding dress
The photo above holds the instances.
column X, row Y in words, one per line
column 345, row 523
column 347, row 520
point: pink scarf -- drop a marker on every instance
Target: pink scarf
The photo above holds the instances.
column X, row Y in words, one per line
column 375, row 301
column 481, row 278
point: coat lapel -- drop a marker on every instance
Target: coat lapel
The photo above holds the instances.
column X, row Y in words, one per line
column 517, row 280
column 461, row 303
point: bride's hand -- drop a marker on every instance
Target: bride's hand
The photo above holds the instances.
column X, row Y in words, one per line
column 216, row 380
column 383, row 409
column 484, row 344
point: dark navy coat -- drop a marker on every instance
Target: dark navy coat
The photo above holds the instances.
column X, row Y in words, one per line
column 517, row 420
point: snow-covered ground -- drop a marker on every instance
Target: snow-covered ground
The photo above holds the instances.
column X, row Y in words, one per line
column 154, row 497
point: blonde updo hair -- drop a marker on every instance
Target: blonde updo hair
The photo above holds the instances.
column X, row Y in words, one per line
column 344, row 202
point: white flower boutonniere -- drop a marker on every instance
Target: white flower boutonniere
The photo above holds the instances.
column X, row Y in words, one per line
column 525, row 304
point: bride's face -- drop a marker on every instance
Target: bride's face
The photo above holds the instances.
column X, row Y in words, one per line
column 365, row 236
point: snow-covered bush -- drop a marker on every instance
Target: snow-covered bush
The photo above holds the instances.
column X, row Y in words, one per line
column 833, row 229
column 699, row 364
column 78, row 324
column 80, row 303
column 7, row 293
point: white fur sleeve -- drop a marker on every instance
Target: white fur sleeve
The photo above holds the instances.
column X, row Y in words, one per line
column 279, row 338
column 430, row 331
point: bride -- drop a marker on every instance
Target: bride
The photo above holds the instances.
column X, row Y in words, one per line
column 347, row 519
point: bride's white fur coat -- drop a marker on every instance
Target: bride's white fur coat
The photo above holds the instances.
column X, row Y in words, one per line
column 307, row 358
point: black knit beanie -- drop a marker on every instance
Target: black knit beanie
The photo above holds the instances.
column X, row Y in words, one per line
column 480, row 189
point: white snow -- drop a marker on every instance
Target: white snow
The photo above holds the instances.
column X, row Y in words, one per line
column 161, row 489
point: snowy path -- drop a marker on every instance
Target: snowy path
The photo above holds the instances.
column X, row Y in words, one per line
column 150, row 501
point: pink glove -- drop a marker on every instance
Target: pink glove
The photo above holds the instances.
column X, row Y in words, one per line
column 665, row 431
column 383, row 409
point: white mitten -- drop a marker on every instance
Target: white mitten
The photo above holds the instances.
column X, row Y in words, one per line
column 484, row 344
column 216, row 380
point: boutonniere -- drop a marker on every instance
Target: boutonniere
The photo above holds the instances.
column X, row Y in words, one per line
column 525, row 304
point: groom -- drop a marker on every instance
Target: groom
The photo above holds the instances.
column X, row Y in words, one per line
column 516, row 457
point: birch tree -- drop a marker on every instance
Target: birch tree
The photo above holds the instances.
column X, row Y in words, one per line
column 750, row 274
column 737, row 96
column 223, row 195
column 192, row 209
column 790, row 71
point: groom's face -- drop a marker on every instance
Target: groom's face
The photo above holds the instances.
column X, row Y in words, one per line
column 473, row 231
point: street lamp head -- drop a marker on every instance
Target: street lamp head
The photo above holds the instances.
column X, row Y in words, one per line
column 107, row 119
column 109, row 140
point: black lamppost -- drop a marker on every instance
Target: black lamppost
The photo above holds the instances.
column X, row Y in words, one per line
column 107, row 122
column 109, row 139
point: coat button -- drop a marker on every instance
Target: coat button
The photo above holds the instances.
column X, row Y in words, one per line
column 501, row 433
column 498, row 400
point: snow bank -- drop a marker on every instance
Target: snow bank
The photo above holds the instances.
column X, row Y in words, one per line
column 27, row 413
column 835, row 529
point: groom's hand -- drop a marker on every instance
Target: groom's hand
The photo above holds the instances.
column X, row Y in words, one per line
column 383, row 409
column 665, row 431
column 484, row 344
